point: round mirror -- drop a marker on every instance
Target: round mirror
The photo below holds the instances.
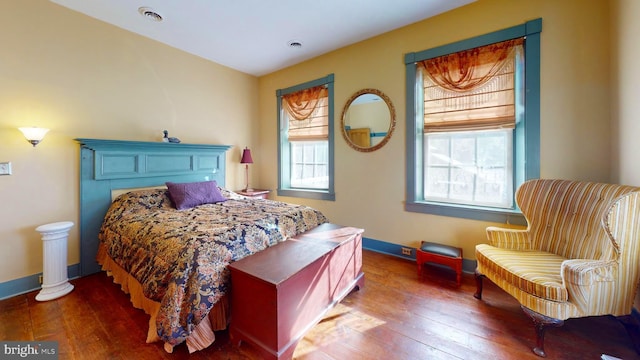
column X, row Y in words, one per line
column 368, row 120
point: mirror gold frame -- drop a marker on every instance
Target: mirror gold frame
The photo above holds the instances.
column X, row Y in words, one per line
column 389, row 132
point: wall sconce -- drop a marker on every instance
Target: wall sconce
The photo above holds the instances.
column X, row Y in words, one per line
column 34, row 134
column 246, row 159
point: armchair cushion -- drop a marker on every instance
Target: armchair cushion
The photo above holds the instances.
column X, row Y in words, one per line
column 534, row 272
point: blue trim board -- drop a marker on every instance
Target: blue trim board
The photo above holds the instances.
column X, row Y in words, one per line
column 31, row 283
column 317, row 82
column 387, row 248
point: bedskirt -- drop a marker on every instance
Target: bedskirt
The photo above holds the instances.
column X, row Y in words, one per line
column 201, row 337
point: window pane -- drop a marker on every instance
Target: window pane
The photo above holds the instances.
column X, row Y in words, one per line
column 321, row 170
column 462, row 184
column 296, row 153
column 308, row 153
column 307, row 170
column 490, row 150
column 322, row 155
column 437, row 183
column 438, row 150
column 463, row 150
column 296, row 173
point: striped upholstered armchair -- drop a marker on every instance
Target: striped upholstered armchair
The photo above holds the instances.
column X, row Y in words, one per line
column 579, row 255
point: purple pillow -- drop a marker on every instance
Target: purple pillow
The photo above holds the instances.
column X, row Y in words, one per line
column 188, row 195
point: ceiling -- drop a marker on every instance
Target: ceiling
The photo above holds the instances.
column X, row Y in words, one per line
column 253, row 36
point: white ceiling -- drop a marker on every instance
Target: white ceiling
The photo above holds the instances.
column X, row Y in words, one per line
column 253, row 36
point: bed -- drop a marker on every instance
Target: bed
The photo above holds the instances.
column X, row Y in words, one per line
column 173, row 262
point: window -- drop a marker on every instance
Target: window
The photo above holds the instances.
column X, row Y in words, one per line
column 473, row 124
column 305, row 151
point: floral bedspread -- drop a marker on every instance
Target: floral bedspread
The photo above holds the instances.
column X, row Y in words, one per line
column 181, row 257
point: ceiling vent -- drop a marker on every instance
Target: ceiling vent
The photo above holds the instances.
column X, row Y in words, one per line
column 295, row 44
column 150, row 14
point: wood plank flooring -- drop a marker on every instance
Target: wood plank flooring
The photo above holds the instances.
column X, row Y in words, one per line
column 397, row 315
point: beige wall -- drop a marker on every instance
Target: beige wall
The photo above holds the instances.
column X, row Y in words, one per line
column 370, row 187
column 83, row 78
column 625, row 92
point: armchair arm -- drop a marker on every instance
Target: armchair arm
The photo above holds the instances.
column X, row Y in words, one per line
column 590, row 284
column 514, row 239
column 587, row 272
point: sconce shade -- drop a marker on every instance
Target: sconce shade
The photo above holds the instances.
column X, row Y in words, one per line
column 246, row 157
column 34, row 134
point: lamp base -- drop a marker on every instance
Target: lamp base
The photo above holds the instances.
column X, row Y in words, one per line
column 247, row 189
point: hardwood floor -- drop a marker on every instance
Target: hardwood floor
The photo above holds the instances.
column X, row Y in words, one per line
column 397, row 315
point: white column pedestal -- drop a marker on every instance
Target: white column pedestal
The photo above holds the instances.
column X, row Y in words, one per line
column 55, row 281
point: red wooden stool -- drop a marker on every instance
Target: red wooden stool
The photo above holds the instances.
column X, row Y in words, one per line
column 440, row 254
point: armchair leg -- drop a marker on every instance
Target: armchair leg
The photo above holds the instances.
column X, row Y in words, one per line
column 479, row 277
column 631, row 325
column 541, row 323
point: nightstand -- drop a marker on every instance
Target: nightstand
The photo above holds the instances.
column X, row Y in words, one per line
column 255, row 193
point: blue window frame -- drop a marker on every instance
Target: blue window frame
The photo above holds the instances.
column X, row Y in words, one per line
column 526, row 135
column 306, row 168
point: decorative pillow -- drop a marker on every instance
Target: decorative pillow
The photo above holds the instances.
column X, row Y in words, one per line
column 188, row 195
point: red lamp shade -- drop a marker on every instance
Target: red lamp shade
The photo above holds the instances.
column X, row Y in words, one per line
column 246, row 157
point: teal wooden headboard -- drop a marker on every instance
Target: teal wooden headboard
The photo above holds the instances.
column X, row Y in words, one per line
column 107, row 165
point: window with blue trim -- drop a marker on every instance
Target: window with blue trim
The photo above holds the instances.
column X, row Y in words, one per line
column 305, row 140
column 473, row 124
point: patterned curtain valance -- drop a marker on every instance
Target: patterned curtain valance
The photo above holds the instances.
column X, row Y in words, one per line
column 308, row 113
column 471, row 89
